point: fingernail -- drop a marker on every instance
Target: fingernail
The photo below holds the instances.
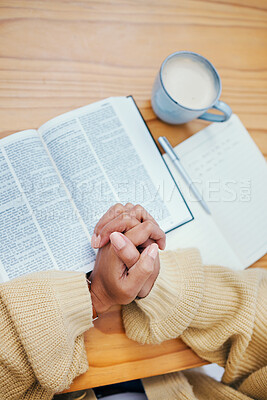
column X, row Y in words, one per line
column 117, row 240
column 153, row 250
column 95, row 241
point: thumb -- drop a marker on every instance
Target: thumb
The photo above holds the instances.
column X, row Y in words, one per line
column 143, row 268
column 124, row 248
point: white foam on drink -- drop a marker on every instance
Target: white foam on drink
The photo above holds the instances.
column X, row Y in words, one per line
column 189, row 82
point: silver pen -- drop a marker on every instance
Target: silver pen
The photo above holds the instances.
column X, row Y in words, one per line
column 163, row 141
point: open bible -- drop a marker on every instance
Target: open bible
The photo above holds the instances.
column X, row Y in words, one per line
column 57, row 181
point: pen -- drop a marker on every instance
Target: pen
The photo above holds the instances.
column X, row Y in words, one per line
column 163, row 141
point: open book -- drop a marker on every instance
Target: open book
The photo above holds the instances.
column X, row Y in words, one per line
column 231, row 172
column 56, row 182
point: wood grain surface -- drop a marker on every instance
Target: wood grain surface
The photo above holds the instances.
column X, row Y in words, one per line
column 115, row 358
column 59, row 55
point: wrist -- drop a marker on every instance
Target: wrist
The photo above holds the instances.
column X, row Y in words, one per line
column 98, row 305
column 94, row 312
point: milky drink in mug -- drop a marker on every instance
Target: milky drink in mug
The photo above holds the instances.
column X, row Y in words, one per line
column 186, row 86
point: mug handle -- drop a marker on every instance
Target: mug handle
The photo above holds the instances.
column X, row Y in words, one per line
column 221, row 106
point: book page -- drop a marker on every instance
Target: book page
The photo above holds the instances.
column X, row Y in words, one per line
column 100, row 165
column 169, row 193
column 231, row 172
column 39, row 229
column 202, row 232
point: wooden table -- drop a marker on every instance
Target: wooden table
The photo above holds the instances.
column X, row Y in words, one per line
column 60, row 55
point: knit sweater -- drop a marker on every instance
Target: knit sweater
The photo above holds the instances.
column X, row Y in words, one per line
column 42, row 319
column 219, row 313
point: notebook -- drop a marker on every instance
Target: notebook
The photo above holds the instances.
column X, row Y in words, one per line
column 230, row 171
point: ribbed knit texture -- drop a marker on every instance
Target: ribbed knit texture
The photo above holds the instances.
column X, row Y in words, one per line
column 42, row 319
column 168, row 387
column 220, row 314
column 173, row 302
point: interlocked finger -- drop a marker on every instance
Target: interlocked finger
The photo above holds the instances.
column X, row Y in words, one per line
column 121, row 223
column 140, row 233
column 113, row 212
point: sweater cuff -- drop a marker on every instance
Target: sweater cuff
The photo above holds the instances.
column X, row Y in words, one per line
column 168, row 387
column 50, row 310
column 173, row 301
column 77, row 308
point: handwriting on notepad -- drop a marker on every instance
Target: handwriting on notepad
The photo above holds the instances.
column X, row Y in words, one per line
column 232, row 173
column 213, row 157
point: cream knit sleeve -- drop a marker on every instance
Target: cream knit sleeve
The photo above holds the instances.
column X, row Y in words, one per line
column 219, row 313
column 42, row 319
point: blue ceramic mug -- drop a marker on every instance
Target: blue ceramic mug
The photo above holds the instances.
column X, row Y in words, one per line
column 171, row 97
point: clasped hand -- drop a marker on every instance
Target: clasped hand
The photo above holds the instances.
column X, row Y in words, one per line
column 127, row 263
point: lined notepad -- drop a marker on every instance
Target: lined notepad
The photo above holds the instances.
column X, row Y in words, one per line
column 230, row 171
